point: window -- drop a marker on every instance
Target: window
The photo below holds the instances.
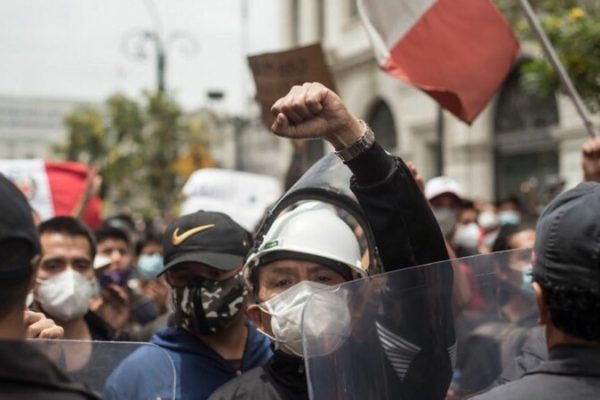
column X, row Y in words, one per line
column 524, row 148
column 353, row 8
column 381, row 120
column 321, row 19
column 295, row 22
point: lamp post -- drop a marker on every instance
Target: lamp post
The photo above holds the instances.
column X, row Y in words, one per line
column 238, row 123
column 136, row 42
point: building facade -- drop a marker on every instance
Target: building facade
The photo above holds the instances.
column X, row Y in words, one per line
column 31, row 127
column 520, row 144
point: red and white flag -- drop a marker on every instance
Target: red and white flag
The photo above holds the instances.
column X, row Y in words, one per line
column 52, row 188
column 457, row 51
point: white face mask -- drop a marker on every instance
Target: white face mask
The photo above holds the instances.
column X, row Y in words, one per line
column 65, row 296
column 446, row 219
column 286, row 310
column 488, row 220
column 467, row 236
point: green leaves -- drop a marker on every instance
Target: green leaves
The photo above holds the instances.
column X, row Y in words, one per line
column 137, row 144
column 573, row 27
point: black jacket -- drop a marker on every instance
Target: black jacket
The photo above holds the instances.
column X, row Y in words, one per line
column 406, row 234
column 531, row 354
column 25, row 373
column 571, row 372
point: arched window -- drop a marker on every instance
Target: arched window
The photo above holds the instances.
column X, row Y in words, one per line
column 524, row 147
column 381, row 120
column 520, row 110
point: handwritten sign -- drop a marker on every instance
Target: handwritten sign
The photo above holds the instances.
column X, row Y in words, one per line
column 276, row 73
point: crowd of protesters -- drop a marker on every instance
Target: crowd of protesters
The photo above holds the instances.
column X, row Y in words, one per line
column 228, row 313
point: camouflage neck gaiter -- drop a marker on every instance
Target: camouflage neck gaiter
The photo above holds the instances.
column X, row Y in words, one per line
column 206, row 307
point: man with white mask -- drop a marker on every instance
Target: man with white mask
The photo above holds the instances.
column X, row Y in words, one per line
column 311, row 247
column 445, row 197
column 307, row 249
column 65, row 281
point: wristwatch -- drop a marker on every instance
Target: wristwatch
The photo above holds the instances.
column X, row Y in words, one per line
column 363, row 144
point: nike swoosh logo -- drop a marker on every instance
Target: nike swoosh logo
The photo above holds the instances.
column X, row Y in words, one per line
column 178, row 239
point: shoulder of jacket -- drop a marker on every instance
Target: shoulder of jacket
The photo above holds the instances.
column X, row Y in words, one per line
column 241, row 387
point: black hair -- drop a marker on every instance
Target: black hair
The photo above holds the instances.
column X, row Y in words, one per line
column 15, row 254
column 340, row 268
column 121, row 220
column 148, row 237
column 109, row 232
column 510, row 199
column 506, row 233
column 573, row 310
column 68, row 226
column 467, row 204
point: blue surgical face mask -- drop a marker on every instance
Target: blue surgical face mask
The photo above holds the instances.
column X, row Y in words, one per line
column 149, row 265
column 509, row 218
column 526, row 286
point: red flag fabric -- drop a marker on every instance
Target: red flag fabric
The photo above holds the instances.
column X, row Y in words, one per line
column 67, row 185
column 53, row 188
column 457, row 51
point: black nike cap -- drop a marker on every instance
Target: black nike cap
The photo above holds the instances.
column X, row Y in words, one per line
column 567, row 246
column 206, row 237
column 16, row 224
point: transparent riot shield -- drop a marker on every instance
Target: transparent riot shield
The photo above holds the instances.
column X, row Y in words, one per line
column 389, row 336
column 115, row 370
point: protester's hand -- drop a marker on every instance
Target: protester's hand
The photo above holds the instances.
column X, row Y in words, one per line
column 591, row 160
column 40, row 327
column 312, row 111
column 93, row 184
column 416, row 176
column 114, row 308
column 158, row 291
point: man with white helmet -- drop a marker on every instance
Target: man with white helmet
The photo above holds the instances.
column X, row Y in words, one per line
column 311, row 246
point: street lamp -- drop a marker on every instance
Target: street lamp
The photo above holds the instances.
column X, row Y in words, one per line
column 135, row 45
column 239, row 125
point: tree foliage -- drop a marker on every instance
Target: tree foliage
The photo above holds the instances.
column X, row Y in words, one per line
column 138, row 146
column 573, row 27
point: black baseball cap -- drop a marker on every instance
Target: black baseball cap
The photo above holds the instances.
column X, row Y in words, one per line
column 567, row 246
column 207, row 237
column 16, row 223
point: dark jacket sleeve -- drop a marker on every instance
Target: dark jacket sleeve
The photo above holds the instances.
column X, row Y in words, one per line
column 407, row 234
column 405, row 229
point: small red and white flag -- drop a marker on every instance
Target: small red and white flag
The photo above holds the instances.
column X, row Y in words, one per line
column 457, row 51
column 52, row 188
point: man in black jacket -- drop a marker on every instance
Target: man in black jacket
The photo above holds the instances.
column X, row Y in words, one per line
column 24, row 373
column 566, row 275
column 406, row 234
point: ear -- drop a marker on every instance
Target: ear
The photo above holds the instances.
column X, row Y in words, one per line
column 33, row 280
column 544, row 317
column 258, row 318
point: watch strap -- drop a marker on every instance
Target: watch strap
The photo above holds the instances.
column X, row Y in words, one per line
column 361, row 145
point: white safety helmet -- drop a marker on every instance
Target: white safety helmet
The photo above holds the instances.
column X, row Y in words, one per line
column 312, row 231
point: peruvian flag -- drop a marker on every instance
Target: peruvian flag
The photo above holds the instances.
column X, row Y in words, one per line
column 456, row 51
column 53, row 188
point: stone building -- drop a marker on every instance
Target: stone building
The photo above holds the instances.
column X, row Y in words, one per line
column 30, row 127
column 518, row 138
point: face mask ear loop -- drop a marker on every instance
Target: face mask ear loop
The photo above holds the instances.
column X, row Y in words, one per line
column 261, row 308
column 269, row 336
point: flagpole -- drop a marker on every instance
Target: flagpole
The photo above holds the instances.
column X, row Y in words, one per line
column 559, row 68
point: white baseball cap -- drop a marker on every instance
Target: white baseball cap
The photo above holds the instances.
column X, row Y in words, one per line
column 440, row 185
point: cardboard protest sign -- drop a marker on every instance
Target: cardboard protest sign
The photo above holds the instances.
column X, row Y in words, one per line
column 275, row 74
